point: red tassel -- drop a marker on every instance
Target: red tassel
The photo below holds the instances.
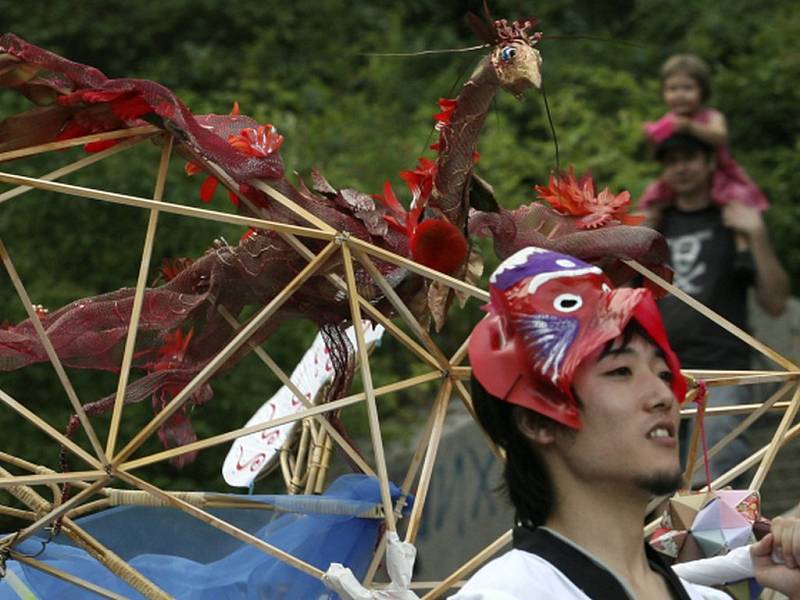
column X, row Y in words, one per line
column 439, row 244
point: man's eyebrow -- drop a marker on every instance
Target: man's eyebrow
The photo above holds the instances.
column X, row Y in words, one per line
column 616, row 351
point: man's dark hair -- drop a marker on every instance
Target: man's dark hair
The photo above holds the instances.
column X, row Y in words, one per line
column 527, row 481
column 682, row 142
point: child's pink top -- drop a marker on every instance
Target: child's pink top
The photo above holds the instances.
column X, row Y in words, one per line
column 730, row 182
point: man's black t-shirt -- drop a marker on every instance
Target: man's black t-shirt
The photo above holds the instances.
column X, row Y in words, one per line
column 704, row 257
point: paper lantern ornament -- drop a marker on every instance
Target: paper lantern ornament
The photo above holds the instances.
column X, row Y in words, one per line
column 706, row 524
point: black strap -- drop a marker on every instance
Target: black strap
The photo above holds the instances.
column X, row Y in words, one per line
column 592, row 579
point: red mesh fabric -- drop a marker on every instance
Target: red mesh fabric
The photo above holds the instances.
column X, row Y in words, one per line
column 47, row 78
column 539, row 225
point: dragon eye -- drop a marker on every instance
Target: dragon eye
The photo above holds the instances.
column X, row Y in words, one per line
column 508, row 53
column 567, row 303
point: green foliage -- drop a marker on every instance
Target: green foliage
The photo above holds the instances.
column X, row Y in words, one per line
column 361, row 118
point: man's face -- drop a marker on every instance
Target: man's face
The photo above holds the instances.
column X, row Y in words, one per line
column 630, row 419
column 687, row 171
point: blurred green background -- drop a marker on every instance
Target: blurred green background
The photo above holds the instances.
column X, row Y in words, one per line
column 314, row 70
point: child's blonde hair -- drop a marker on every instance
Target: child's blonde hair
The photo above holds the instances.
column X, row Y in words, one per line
column 691, row 65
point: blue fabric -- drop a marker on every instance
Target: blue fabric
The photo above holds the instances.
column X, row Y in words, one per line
column 191, row 560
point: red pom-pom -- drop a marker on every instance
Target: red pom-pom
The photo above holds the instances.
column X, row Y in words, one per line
column 439, row 244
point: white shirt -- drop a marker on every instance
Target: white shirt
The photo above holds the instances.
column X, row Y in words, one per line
column 520, row 575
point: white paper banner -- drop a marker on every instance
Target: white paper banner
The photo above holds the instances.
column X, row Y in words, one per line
column 251, row 454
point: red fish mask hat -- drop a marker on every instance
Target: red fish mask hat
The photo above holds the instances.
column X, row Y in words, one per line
column 547, row 313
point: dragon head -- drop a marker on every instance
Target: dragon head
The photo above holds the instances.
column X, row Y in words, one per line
column 517, row 63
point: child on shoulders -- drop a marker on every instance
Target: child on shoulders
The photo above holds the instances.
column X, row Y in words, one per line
column 686, row 88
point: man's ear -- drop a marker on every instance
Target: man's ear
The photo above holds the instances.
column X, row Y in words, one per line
column 537, row 429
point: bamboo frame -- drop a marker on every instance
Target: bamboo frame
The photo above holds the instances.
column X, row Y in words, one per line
column 78, row 141
column 136, row 309
column 264, row 356
column 440, row 412
column 51, row 354
column 75, row 166
column 710, row 314
column 428, row 351
column 239, row 339
column 222, row 525
column 178, row 209
column 64, row 576
column 366, row 380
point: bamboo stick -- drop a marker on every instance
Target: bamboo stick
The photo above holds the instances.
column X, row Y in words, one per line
column 753, row 379
column 242, row 431
column 64, row 576
column 741, row 427
column 301, row 397
column 17, row 513
column 405, row 488
column 291, row 205
column 403, row 310
column 51, row 353
column 45, row 478
column 232, row 435
column 469, row 566
column 466, row 400
column 222, row 525
column 374, row 313
column 178, row 209
column 102, row 554
column 440, row 409
column 136, row 309
column 716, row 318
column 697, row 430
column 366, row 381
column 48, row 429
column 777, row 441
column 52, row 514
column 79, row 141
column 225, row 353
column 716, row 411
column 396, row 259
column 461, row 372
column 461, row 353
column 74, row 166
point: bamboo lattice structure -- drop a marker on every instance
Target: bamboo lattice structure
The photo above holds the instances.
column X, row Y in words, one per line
column 115, row 460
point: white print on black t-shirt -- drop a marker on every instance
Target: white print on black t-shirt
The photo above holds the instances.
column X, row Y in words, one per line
column 685, row 250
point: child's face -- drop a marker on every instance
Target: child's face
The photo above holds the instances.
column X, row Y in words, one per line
column 682, row 94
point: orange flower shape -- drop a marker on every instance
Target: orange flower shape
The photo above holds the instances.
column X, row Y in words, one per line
column 578, row 198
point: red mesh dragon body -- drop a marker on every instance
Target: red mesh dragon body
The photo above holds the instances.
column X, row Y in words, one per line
column 183, row 314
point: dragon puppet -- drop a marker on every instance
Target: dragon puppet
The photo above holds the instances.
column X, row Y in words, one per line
column 181, row 327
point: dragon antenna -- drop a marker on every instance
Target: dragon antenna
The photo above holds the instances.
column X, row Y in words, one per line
column 552, row 128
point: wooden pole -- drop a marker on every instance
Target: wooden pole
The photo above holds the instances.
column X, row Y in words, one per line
column 739, row 409
column 440, row 409
column 239, row 339
column 64, row 576
column 777, row 441
column 291, row 205
column 373, row 312
column 396, row 259
column 403, row 310
column 232, row 435
column 75, row 166
column 468, row 567
column 136, row 309
column 49, row 430
column 79, row 141
column 178, row 209
column 46, row 478
column 366, row 380
column 710, row 314
column 301, row 397
column 222, row 525
column 51, row 353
